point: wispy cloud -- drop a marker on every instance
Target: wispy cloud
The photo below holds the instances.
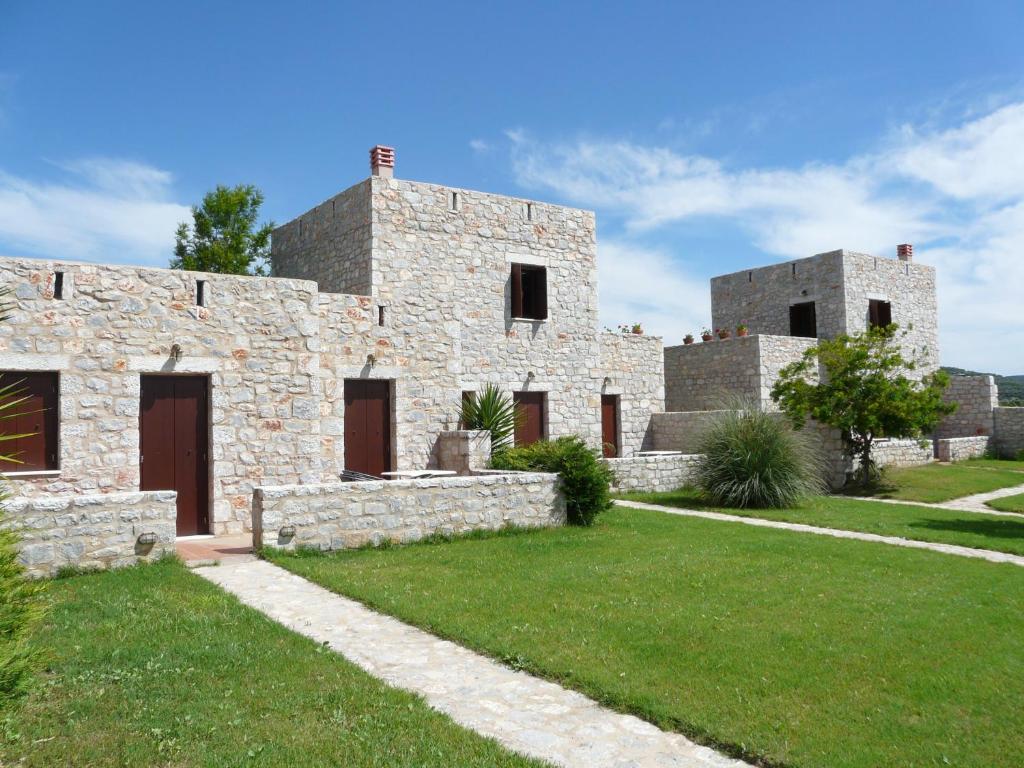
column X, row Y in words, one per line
column 101, row 209
column 957, row 193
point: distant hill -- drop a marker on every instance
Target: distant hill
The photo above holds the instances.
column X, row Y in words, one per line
column 1011, row 388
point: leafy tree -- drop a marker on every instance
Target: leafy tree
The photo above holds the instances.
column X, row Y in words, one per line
column 223, row 236
column 494, row 411
column 863, row 392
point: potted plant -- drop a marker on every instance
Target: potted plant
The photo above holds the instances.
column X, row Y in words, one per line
column 705, row 335
column 688, row 338
column 724, row 333
column 742, row 330
column 638, row 329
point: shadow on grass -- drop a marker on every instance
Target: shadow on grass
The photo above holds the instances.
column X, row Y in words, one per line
column 1002, row 529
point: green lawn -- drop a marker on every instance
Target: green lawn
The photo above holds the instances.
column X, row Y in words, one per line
column 968, row 529
column 153, row 666
column 1008, row 503
column 932, row 483
column 1014, row 464
column 800, row 649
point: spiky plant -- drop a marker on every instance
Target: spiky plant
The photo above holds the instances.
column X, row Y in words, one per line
column 494, row 411
column 752, row 459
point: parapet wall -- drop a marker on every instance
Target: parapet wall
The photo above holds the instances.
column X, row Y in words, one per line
column 343, row 515
column 976, row 398
column 653, row 474
column 94, row 531
column 960, row 448
column 1009, row 431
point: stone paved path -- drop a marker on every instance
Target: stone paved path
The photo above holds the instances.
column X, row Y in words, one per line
column 526, row 714
column 948, row 549
column 974, row 503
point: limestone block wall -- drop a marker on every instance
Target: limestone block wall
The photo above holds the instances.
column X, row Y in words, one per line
column 341, row 515
column 653, row 474
column 634, row 370
column 256, row 339
column 680, row 430
column 464, row 451
column 976, row 398
column 903, row 453
column 1009, row 431
column 91, row 531
column 961, row 448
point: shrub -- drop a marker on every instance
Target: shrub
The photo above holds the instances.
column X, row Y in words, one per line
column 494, row 411
column 586, row 480
column 753, row 459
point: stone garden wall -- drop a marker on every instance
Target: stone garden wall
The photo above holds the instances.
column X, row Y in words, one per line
column 960, row 448
column 91, row 531
column 1009, row 431
column 976, row 398
column 342, row 515
column 653, row 473
column 903, row 453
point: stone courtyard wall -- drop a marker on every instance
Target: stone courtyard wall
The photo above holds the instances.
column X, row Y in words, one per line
column 961, row 448
column 976, row 398
column 342, row 515
column 1009, row 431
column 91, row 531
column 903, row 453
column 653, row 474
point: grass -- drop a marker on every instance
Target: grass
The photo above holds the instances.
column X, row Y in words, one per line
column 945, row 526
column 933, row 483
column 794, row 649
column 1012, row 464
column 153, row 666
column 1008, row 503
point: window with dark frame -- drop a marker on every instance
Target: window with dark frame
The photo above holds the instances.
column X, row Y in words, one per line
column 529, row 292
column 36, row 422
column 879, row 313
column 803, row 321
column 58, row 285
column 200, row 293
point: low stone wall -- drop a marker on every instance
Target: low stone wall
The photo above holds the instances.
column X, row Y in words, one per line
column 95, row 531
column 464, row 451
column 903, row 453
column 960, row 448
column 342, row 515
column 976, row 397
column 1009, row 431
column 653, row 473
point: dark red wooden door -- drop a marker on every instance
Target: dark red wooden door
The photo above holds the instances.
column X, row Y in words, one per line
column 174, row 440
column 530, row 428
column 368, row 426
column 610, row 425
column 36, row 421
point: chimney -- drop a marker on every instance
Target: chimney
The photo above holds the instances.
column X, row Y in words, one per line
column 905, row 252
column 382, row 161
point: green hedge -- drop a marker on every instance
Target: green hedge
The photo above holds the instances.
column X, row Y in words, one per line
column 586, row 480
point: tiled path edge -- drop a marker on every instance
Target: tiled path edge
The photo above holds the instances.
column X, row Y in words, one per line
column 524, row 713
column 947, row 549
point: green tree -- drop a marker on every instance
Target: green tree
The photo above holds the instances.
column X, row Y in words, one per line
column 223, row 236
column 863, row 391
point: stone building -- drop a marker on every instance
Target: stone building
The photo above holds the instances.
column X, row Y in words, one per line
column 388, row 303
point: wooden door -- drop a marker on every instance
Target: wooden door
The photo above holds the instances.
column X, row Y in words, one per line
column 530, row 428
column 610, row 425
column 174, row 441
column 368, row 426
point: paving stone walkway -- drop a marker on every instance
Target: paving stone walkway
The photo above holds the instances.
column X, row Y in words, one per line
column 526, row 714
column 973, row 503
column 948, row 549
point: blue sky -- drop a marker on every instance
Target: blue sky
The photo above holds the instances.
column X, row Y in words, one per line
column 708, row 137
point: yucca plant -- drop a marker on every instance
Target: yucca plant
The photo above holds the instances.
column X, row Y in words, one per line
column 752, row 459
column 494, row 411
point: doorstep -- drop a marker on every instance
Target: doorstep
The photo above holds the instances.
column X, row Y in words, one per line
column 210, row 550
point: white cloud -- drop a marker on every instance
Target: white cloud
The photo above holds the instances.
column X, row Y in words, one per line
column 479, row 145
column 958, row 194
column 102, row 210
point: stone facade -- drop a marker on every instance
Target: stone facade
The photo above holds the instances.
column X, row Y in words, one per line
column 976, row 398
column 91, row 531
column 653, row 474
column 960, row 448
column 715, row 374
column 680, row 430
column 841, row 284
column 1009, row 431
column 342, row 515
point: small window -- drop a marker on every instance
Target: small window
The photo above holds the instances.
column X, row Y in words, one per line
column 529, row 211
column 200, row 293
column 879, row 313
column 453, row 201
column 380, row 315
column 802, row 320
column 36, row 422
column 529, row 292
column 58, row 285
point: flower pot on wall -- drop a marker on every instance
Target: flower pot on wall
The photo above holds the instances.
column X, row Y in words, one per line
column 724, row 334
column 688, row 339
column 742, row 332
column 706, row 337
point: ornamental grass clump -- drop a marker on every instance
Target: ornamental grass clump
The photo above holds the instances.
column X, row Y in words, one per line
column 752, row 459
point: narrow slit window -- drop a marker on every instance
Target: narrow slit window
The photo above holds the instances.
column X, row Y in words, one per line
column 380, row 315
column 453, row 201
column 529, row 211
column 200, row 293
column 750, row 277
column 529, row 292
column 794, row 269
column 58, row 285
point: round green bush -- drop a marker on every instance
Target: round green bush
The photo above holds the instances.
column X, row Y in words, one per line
column 586, row 480
column 753, row 459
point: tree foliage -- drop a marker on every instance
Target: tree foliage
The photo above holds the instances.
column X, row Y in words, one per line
column 223, row 236
column 494, row 411
column 863, row 391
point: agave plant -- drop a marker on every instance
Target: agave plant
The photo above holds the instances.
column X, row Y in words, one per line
column 494, row 411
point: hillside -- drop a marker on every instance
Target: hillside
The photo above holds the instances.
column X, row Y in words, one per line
column 1011, row 388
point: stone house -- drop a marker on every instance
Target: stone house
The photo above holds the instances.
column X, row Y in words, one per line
column 388, row 304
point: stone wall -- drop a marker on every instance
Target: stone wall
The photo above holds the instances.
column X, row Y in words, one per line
column 341, row 515
column 976, row 398
column 680, row 430
column 91, row 531
column 1009, row 431
column 465, row 451
column 653, row 474
column 961, row 448
column 903, row 453
column 634, row 366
